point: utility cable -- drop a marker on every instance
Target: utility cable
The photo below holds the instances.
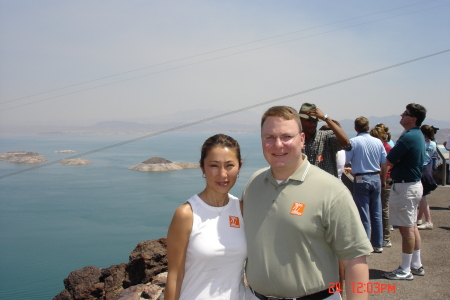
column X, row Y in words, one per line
column 210, row 52
column 225, row 114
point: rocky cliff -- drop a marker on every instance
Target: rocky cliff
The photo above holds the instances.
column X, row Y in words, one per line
column 159, row 164
column 143, row 277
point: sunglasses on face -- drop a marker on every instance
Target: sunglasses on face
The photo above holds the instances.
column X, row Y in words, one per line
column 405, row 113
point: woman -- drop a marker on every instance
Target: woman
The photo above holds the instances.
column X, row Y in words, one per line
column 387, row 137
column 381, row 132
column 427, row 177
column 206, row 244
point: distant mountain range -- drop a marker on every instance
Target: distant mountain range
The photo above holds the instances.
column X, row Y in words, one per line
column 202, row 120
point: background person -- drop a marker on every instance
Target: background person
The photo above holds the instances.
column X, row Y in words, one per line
column 367, row 158
column 428, row 182
column 382, row 133
column 206, row 245
column 321, row 146
column 407, row 157
column 340, row 155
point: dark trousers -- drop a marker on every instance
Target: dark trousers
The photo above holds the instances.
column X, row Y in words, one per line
column 385, row 210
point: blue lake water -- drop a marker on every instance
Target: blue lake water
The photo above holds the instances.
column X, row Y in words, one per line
column 58, row 218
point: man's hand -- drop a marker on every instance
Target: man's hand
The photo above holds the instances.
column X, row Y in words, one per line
column 316, row 113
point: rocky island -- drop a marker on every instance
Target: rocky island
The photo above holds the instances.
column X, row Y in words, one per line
column 75, row 161
column 23, row 157
column 65, row 151
column 159, row 164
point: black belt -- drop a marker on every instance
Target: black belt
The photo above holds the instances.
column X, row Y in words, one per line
column 316, row 296
column 404, row 181
column 370, row 173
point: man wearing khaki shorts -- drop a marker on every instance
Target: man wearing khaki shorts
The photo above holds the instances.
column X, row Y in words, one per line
column 407, row 159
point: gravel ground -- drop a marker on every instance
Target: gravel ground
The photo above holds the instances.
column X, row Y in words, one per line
column 435, row 258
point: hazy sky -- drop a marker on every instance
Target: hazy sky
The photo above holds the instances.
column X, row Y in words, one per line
column 161, row 57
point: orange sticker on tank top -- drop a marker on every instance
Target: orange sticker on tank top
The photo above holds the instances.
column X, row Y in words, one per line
column 320, row 158
column 297, row 208
column 234, row 222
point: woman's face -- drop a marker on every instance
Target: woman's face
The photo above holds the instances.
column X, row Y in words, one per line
column 221, row 167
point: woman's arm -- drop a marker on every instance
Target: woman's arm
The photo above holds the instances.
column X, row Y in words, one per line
column 177, row 241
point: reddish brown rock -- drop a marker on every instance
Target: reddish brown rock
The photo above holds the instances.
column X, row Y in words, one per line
column 151, row 291
column 147, row 260
column 85, row 283
column 146, row 263
column 113, row 281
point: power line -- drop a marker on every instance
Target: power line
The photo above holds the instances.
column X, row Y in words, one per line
column 209, row 52
column 226, row 114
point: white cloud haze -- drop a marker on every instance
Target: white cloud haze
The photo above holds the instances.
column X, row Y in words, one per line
column 47, row 45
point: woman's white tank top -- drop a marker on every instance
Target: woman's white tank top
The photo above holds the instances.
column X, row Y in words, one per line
column 216, row 252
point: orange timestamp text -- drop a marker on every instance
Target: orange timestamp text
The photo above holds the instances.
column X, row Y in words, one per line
column 362, row 287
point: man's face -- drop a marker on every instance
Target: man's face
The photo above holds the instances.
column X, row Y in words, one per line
column 309, row 126
column 282, row 145
column 407, row 120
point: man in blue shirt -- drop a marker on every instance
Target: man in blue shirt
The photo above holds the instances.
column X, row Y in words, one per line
column 407, row 158
column 367, row 157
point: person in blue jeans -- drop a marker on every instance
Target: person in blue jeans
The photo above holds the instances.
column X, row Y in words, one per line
column 367, row 158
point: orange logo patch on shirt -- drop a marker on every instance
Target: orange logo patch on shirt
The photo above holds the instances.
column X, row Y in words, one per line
column 297, row 208
column 234, row 222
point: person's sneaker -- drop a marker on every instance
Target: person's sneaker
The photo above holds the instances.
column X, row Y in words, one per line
column 419, row 222
column 418, row 271
column 399, row 274
column 425, row 226
column 392, row 227
column 387, row 244
column 377, row 250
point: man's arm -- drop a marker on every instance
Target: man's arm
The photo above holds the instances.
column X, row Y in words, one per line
column 445, row 145
column 338, row 132
column 388, row 163
column 356, row 271
column 384, row 171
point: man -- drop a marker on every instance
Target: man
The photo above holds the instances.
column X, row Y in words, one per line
column 299, row 220
column 321, row 146
column 447, row 147
column 407, row 159
column 367, row 156
column 447, row 143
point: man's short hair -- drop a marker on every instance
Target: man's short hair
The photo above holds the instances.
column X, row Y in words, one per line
column 417, row 111
column 362, row 124
column 283, row 112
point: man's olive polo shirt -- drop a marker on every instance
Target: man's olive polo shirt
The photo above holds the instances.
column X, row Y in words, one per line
column 297, row 230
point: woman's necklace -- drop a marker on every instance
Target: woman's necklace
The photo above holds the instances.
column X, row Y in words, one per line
column 223, row 207
column 219, row 211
